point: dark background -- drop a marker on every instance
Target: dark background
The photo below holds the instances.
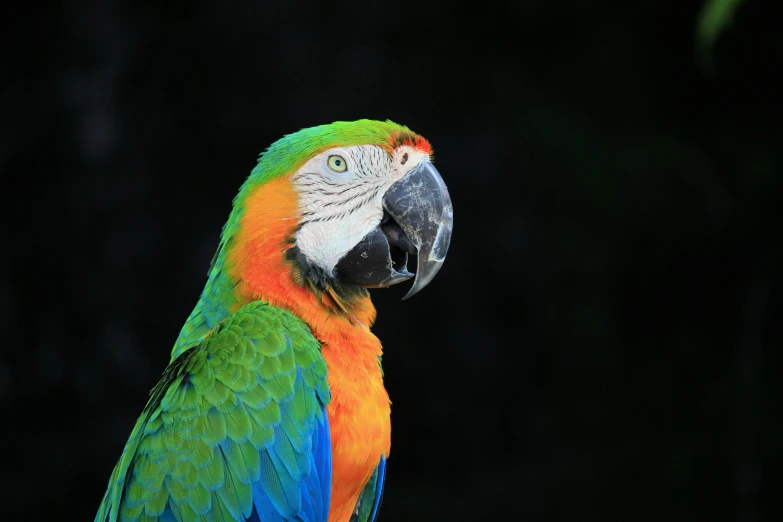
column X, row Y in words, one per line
column 603, row 340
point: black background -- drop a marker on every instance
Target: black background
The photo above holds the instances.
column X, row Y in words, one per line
column 603, row 340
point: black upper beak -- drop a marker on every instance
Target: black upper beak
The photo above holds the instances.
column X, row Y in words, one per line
column 421, row 206
column 417, row 220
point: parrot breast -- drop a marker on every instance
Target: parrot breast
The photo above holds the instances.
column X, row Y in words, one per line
column 359, row 412
column 359, row 418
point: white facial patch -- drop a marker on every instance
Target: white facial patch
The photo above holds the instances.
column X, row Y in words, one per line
column 341, row 198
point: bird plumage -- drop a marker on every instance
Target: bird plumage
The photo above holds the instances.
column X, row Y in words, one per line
column 273, row 406
column 235, row 430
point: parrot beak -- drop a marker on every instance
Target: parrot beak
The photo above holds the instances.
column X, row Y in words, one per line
column 420, row 204
column 418, row 218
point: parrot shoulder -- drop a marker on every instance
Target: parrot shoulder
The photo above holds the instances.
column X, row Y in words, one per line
column 236, row 429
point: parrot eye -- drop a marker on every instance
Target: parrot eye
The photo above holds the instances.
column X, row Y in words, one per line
column 337, row 163
column 404, row 159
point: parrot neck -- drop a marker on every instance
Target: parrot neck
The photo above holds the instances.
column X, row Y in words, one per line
column 257, row 260
column 263, row 261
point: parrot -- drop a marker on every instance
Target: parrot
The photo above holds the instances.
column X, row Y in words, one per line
column 273, row 407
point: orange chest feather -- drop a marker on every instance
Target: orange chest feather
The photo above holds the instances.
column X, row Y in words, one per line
column 359, row 411
column 359, row 424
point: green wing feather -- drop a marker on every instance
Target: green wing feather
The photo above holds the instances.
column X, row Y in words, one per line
column 227, row 414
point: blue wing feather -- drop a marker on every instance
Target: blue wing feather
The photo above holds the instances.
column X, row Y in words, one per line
column 381, row 473
column 322, row 464
column 276, row 499
column 369, row 501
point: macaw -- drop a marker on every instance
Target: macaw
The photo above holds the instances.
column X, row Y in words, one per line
column 273, row 407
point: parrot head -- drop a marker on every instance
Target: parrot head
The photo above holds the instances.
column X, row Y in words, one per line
column 365, row 208
column 337, row 208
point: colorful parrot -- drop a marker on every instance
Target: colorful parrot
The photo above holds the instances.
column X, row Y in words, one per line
column 273, row 406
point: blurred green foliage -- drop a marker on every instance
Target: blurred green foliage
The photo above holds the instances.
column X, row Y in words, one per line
column 714, row 18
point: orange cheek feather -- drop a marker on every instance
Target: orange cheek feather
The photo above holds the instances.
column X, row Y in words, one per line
column 359, row 412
